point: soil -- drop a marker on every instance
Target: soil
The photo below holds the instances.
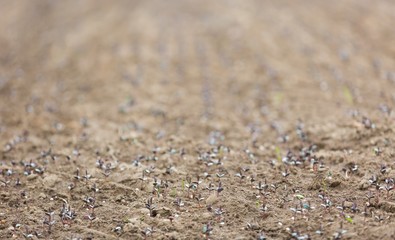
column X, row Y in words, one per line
column 237, row 119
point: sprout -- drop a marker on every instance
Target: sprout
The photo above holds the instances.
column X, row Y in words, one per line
column 377, row 151
column 87, row 176
column 50, row 221
column 207, row 229
column 94, row 189
column 261, row 236
column 368, row 123
column 151, row 207
column 118, row 229
column 148, row 231
column 219, row 188
column 389, row 186
column 66, row 213
column 285, row 173
column 179, row 203
column 262, row 187
column 77, row 175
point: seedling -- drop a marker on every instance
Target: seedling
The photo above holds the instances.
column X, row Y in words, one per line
column 207, row 229
column 261, row 236
column 263, row 209
column 94, row 189
column 283, row 138
column 50, row 221
column 28, row 168
column 44, row 154
column 169, row 170
column 342, row 208
column 199, row 198
column 383, row 170
column 39, row 170
column 389, row 185
column 5, row 182
column 66, row 214
column 348, row 95
column 107, row 172
column 156, row 189
column 18, row 182
column 365, row 213
column 326, row 202
column 210, row 187
column 206, row 175
column 285, row 173
column 379, row 218
column 219, row 188
column 295, row 234
column 28, row 234
column 191, row 185
column 179, row 203
column 220, row 175
column 240, row 175
column 100, row 163
column 384, row 108
column 320, row 231
column 368, row 123
column 350, row 168
column 218, row 213
column 137, row 161
column 373, row 180
column 87, row 177
column 377, row 151
column 252, row 180
column 339, row 234
column 91, row 216
column 250, row 155
column 198, row 181
column 77, row 175
column 343, row 214
column 300, row 132
column 262, row 187
column 296, row 210
column 354, row 208
column 171, row 218
column 278, row 154
column 275, row 186
column 118, row 229
column 348, row 218
column 148, row 231
column 151, row 207
column 369, row 196
column 76, row 153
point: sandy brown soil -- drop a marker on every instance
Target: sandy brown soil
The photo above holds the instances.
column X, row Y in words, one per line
column 237, row 119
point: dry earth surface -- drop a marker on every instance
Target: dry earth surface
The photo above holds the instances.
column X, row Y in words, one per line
column 197, row 119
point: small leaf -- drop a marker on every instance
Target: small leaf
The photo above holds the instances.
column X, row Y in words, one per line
column 348, row 95
column 299, row 196
column 278, row 154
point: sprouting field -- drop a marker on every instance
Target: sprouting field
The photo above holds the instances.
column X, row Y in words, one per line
column 187, row 119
